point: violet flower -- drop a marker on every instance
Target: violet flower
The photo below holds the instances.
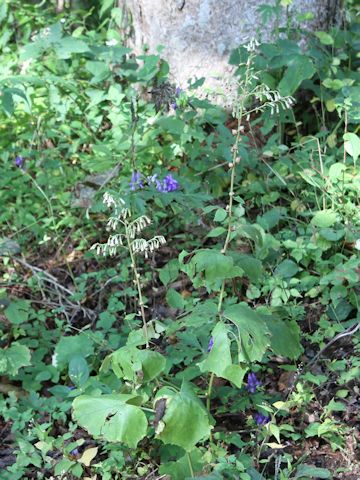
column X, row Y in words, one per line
column 211, row 344
column 169, row 184
column 135, row 181
column 173, row 105
column 261, row 419
column 19, row 161
column 252, row 383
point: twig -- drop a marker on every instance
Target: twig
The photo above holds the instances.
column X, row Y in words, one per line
column 62, row 292
column 348, row 332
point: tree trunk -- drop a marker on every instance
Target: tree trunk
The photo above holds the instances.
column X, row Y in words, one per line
column 198, row 35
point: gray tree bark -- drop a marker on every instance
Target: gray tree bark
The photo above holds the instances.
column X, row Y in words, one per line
column 198, row 35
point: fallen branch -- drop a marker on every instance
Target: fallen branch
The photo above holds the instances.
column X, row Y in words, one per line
column 62, row 292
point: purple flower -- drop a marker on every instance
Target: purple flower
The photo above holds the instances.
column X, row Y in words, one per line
column 74, row 452
column 177, row 92
column 252, row 383
column 261, row 419
column 169, row 184
column 136, row 182
column 19, row 161
column 173, row 105
column 211, row 344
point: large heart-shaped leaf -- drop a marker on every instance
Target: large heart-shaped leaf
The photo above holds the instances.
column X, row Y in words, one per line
column 111, row 417
column 253, row 332
column 285, row 337
column 135, row 365
column 219, row 360
column 185, row 421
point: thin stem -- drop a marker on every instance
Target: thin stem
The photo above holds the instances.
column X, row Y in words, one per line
column 190, row 465
column 138, row 285
column 208, row 394
column 227, row 239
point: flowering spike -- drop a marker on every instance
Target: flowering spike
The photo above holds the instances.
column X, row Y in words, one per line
column 252, row 383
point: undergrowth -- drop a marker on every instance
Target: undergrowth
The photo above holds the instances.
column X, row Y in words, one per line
column 180, row 282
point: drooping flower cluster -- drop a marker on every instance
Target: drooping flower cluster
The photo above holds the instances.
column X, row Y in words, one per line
column 252, row 383
column 168, row 184
column 261, row 419
column 131, row 229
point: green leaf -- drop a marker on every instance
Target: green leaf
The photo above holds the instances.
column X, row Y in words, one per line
column 300, row 68
column 174, row 299
column 216, row 232
column 185, row 422
column 325, row 38
column 173, row 125
column 69, row 45
column 324, row 218
column 220, row 215
column 285, row 337
column 310, row 471
column 179, row 470
column 13, row 358
column 99, row 70
column 111, row 417
column 18, row 311
column 219, row 360
column 209, row 267
column 69, row 347
column 252, row 267
column 169, row 272
column 352, row 145
column 253, row 332
column 336, row 171
column 7, row 101
column 78, row 370
column 138, row 366
column 286, row 269
column 332, row 235
column 63, row 466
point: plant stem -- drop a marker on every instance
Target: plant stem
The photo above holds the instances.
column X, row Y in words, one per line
column 138, row 285
column 227, row 239
column 190, row 465
column 208, row 394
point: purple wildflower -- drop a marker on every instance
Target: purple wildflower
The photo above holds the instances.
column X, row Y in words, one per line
column 173, row 105
column 74, row 452
column 136, row 182
column 169, row 184
column 252, row 383
column 211, row 344
column 19, row 161
column 261, row 419
column 177, row 92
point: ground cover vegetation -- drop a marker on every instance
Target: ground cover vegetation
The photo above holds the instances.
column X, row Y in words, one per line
column 180, row 279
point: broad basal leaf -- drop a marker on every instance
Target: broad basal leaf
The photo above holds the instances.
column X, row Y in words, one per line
column 209, row 267
column 285, row 337
column 111, row 417
column 135, row 365
column 219, row 360
column 252, row 329
column 185, row 421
